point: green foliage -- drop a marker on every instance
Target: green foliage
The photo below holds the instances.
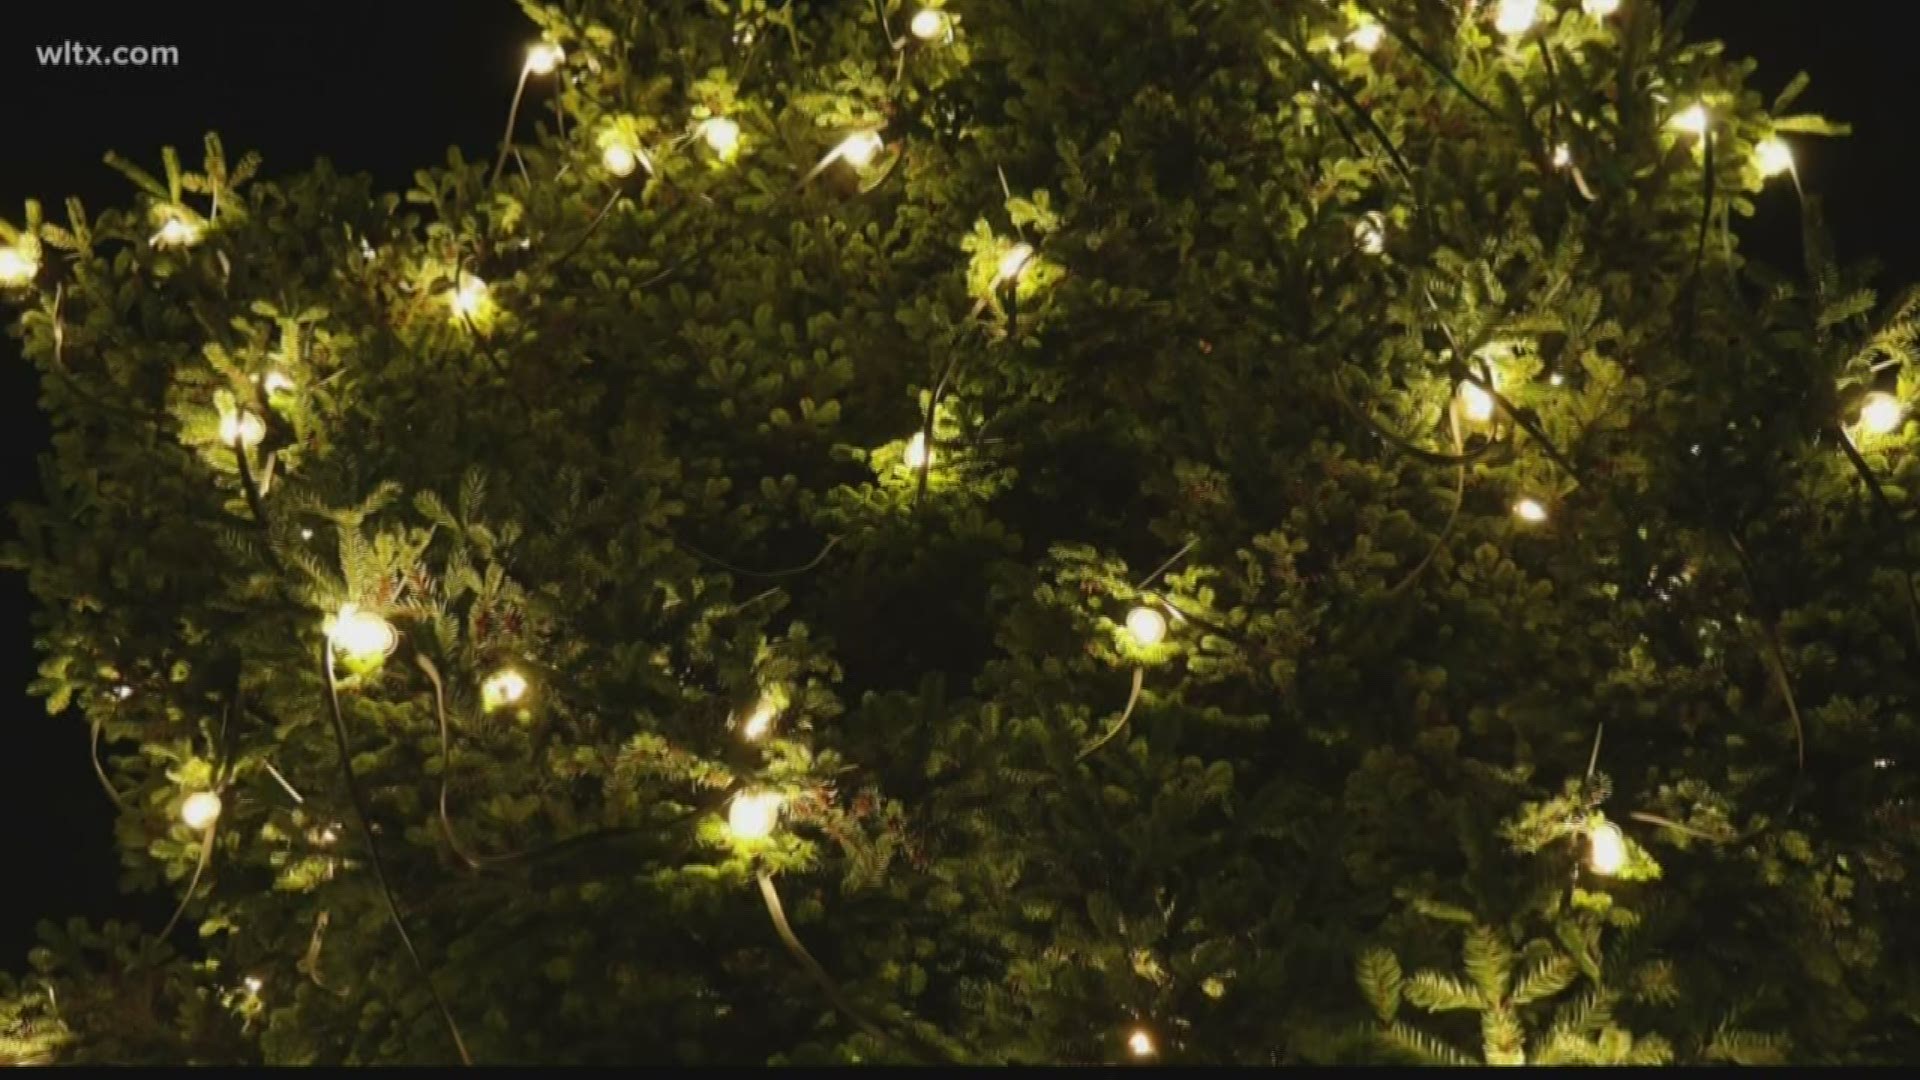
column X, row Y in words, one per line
column 647, row 442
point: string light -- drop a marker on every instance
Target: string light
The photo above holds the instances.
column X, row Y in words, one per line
column 543, row 57
column 276, row 382
column 1012, row 263
column 16, row 267
column 917, row 456
column 1140, row 1043
column 754, row 814
column 723, row 136
column 1367, row 36
column 200, row 810
column 254, row 984
column 1530, row 510
column 1371, row 233
column 618, row 159
column 468, row 297
column 1147, row 626
column 242, row 427
column 860, row 148
column 1475, row 402
column 1600, row 9
column 1773, row 156
column 1692, row 120
column 123, row 691
column 1515, row 17
column 503, row 687
column 929, row 24
column 1562, row 156
column 361, row 635
column 176, row 232
column 760, row 721
column 1606, row 849
column 1880, row 413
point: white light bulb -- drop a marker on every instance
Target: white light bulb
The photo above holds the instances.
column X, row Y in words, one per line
column 618, row 159
column 1147, row 626
column 860, row 148
column 760, row 721
column 1562, row 156
column 1371, row 233
column 1606, row 849
column 1692, row 120
column 242, row 427
column 1514, row 17
column 201, row 809
column 503, row 687
column 917, row 455
column 1600, row 9
column 1530, row 510
column 176, row 232
column 468, row 297
column 722, row 135
column 929, row 24
column 1140, row 1042
column 1773, row 156
column 123, row 691
column 361, row 635
column 276, row 382
column 1476, row 403
column 253, row 984
column 543, row 57
column 1880, row 413
column 754, row 814
column 1014, row 261
column 16, row 267
column 1367, row 36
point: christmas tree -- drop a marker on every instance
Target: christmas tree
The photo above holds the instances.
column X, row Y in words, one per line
column 1050, row 531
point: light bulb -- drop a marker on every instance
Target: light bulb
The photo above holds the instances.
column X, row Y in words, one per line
column 722, row 136
column 503, row 687
column 1367, row 36
column 917, row 456
column 1880, row 413
column 929, row 24
column 1476, row 403
column 201, row 809
column 1140, row 1042
column 1606, row 849
column 1513, row 17
column 242, row 427
column 16, row 267
column 468, row 297
column 1147, row 626
column 1562, row 156
column 754, row 814
column 1530, row 510
column 176, row 232
column 253, row 984
column 1692, row 120
column 1600, row 9
column 361, row 635
column 1014, row 261
column 543, row 57
column 860, row 148
column 760, row 721
column 123, row 691
column 618, row 159
column 1773, row 156
column 276, row 382
column 1371, row 233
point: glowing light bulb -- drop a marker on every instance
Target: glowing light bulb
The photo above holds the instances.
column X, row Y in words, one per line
column 917, row 456
column 253, row 984
column 860, row 148
column 1014, row 261
column 468, row 297
column 503, row 687
column 1371, row 233
column 1514, row 17
column 16, row 267
column 1530, row 510
column 1562, row 156
column 754, row 814
column 242, row 427
column 276, row 382
column 1147, row 626
column 722, row 136
column 1600, row 9
column 1367, row 36
column 201, row 809
column 618, row 159
column 176, row 232
column 361, row 635
column 929, row 24
column 1140, row 1043
column 1606, row 848
column 123, row 691
column 760, row 721
column 1880, row 413
column 543, row 57
column 1773, row 156
column 1476, row 403
column 1692, row 120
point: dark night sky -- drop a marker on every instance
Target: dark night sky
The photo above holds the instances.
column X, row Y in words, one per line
column 384, row 86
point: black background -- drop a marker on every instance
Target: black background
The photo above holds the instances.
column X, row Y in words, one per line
column 385, row 86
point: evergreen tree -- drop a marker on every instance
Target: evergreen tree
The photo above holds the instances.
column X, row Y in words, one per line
column 1042, row 531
